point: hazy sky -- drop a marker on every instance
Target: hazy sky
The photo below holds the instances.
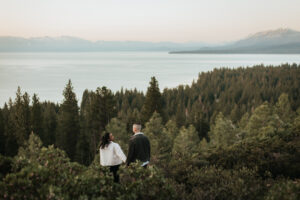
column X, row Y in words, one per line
column 151, row 20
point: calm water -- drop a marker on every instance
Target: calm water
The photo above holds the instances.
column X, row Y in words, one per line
column 47, row 73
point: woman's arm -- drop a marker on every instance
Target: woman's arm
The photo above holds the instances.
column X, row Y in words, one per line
column 120, row 153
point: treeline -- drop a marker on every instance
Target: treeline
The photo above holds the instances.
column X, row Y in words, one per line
column 201, row 149
column 77, row 130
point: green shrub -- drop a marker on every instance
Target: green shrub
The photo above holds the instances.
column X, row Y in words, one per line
column 140, row 183
column 284, row 189
column 271, row 154
column 5, row 165
column 47, row 173
column 216, row 183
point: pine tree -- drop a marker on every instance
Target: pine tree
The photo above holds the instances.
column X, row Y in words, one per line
column 119, row 130
column 102, row 109
column 223, row 132
column 132, row 117
column 36, row 119
column 186, row 143
column 235, row 113
column 197, row 117
column 283, row 108
column 17, row 122
column 21, row 117
column 11, row 145
column 2, row 136
column 107, row 105
column 49, row 124
column 169, row 133
column 180, row 115
column 68, row 122
column 263, row 121
column 84, row 151
column 171, row 130
column 296, row 122
column 97, row 109
column 153, row 101
column 161, row 143
column 90, row 121
column 153, row 130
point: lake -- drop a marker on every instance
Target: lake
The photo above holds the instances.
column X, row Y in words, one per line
column 46, row 74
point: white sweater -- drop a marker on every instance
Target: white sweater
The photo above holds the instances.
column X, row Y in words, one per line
column 112, row 155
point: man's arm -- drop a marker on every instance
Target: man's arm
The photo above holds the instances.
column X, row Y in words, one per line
column 130, row 156
column 149, row 148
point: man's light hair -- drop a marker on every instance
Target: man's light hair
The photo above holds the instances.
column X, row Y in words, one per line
column 138, row 127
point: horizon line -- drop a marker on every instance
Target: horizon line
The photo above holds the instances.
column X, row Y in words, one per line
column 147, row 41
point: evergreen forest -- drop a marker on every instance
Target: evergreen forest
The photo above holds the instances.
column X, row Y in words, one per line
column 230, row 134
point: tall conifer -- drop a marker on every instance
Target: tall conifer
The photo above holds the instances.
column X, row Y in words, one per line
column 36, row 117
column 2, row 136
column 21, row 117
column 49, row 123
column 11, row 145
column 68, row 122
column 84, row 153
column 153, row 101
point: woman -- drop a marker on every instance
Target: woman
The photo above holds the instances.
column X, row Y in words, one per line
column 111, row 154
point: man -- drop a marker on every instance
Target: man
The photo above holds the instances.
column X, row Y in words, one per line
column 139, row 147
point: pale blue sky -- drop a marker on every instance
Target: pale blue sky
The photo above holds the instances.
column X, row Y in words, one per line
column 151, row 20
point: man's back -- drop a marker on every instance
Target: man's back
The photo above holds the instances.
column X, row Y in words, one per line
column 139, row 148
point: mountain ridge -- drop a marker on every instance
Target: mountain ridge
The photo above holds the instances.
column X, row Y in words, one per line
column 70, row 43
column 279, row 41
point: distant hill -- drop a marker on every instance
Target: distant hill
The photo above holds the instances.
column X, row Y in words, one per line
column 73, row 44
column 280, row 41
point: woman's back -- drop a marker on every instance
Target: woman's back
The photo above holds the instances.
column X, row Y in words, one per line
column 111, row 155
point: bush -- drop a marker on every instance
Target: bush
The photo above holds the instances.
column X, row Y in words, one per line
column 284, row 189
column 270, row 154
column 140, row 183
column 47, row 173
column 216, row 183
column 5, row 165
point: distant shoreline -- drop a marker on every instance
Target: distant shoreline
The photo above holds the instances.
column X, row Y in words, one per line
column 167, row 52
column 259, row 53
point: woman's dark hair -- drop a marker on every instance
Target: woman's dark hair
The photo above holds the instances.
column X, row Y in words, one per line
column 105, row 140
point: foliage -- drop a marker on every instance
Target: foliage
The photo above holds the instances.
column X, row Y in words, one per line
column 47, row 173
column 49, row 123
column 2, row 135
column 140, row 183
column 36, row 116
column 215, row 183
column 153, row 101
column 186, row 142
column 274, row 155
column 232, row 134
column 20, row 117
column 118, row 129
column 5, row 166
column 223, row 132
column 68, row 122
column 161, row 142
column 284, row 189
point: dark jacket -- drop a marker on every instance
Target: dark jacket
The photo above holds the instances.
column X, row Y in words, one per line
column 139, row 149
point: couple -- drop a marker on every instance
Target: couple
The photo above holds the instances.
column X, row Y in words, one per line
column 112, row 155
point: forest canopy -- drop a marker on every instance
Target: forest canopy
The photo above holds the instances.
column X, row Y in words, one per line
column 232, row 134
